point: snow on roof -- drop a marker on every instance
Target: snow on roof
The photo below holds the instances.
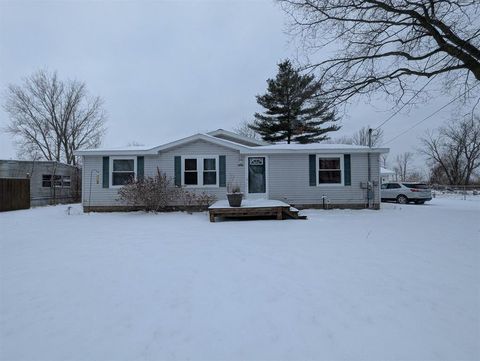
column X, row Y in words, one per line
column 222, row 132
column 386, row 171
column 244, row 149
column 310, row 146
column 134, row 147
column 314, row 147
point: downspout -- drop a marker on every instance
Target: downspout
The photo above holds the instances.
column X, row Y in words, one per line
column 369, row 183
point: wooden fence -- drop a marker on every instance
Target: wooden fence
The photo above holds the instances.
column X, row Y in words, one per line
column 14, row 194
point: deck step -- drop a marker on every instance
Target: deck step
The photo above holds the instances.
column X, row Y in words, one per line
column 293, row 213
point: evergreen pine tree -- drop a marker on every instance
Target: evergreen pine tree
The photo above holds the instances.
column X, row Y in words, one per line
column 294, row 113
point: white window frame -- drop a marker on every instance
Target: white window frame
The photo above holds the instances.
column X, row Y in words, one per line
column 317, row 169
column 69, row 181
column 200, row 159
column 111, row 169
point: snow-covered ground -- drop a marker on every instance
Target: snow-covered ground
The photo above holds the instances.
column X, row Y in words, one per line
column 402, row 283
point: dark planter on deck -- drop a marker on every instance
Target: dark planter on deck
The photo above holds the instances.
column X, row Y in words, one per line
column 235, row 199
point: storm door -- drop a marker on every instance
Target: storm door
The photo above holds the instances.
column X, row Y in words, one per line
column 257, row 176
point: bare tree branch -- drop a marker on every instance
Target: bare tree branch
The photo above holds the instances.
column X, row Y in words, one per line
column 53, row 118
column 385, row 45
column 454, row 150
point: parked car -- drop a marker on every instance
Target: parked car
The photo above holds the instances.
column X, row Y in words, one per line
column 403, row 192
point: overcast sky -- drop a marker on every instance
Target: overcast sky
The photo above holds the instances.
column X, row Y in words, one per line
column 169, row 69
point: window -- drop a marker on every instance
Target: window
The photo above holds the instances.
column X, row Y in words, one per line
column 200, row 171
column 393, row 186
column 191, row 172
column 416, row 185
column 58, row 181
column 123, row 171
column 66, row 181
column 330, row 170
column 46, row 180
column 209, row 171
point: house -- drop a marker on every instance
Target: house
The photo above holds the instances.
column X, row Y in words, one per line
column 303, row 175
column 50, row 182
column 387, row 175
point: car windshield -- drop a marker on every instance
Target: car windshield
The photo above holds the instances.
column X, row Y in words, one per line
column 416, row 185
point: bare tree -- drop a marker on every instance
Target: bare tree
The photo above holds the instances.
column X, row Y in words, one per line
column 455, row 149
column 416, row 176
column 386, row 45
column 52, row 118
column 361, row 137
column 344, row 139
column 383, row 160
column 402, row 165
column 244, row 129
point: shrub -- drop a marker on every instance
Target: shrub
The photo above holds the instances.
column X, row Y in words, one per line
column 154, row 194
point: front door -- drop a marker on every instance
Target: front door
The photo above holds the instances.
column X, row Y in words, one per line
column 257, row 177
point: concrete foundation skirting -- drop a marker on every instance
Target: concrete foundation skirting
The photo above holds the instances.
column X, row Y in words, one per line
column 201, row 209
column 336, row 206
column 87, row 209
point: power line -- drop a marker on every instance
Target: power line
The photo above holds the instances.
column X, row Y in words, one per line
column 431, row 115
column 405, row 104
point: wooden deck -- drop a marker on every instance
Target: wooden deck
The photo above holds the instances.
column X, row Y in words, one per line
column 254, row 209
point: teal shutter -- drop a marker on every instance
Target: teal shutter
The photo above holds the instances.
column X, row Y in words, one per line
column 312, row 160
column 140, row 168
column 178, row 171
column 222, row 168
column 347, row 169
column 106, row 172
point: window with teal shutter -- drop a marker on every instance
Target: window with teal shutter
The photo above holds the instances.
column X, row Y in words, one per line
column 223, row 171
column 105, row 172
column 178, row 171
column 140, row 168
column 347, row 170
column 312, row 171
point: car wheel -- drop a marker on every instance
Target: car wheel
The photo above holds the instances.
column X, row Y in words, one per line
column 402, row 199
column 419, row 202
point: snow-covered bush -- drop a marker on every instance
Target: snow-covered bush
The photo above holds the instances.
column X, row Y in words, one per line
column 193, row 201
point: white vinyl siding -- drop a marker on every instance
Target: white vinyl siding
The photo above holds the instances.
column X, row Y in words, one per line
column 289, row 180
column 164, row 161
column 287, row 176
